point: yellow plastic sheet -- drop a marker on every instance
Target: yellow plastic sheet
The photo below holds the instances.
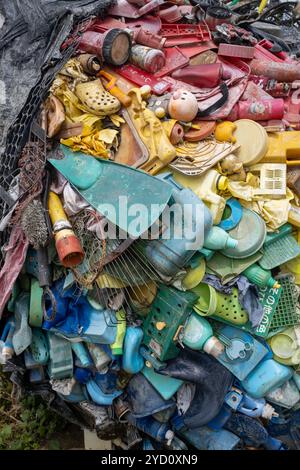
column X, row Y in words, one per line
column 273, row 211
column 93, row 140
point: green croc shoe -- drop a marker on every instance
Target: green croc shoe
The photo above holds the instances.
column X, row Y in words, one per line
column 220, row 306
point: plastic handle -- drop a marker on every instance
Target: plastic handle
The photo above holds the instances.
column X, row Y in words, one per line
column 114, row 89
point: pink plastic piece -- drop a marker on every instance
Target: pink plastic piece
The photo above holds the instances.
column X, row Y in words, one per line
column 140, row 78
column 175, row 59
column 263, row 54
column 234, row 50
column 128, row 10
column 170, row 13
column 148, row 22
column 144, row 37
column 200, row 31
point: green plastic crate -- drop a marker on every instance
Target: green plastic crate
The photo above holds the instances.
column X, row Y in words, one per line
column 287, row 312
column 171, row 307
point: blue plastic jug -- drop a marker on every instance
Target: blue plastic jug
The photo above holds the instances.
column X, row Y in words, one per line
column 267, row 376
column 168, row 256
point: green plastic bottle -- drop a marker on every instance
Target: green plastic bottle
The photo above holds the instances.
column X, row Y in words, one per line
column 259, row 276
column 198, row 335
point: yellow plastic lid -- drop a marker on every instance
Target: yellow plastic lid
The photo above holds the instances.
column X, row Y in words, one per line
column 282, row 346
column 253, row 141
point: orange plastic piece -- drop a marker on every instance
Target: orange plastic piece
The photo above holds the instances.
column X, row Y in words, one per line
column 114, row 89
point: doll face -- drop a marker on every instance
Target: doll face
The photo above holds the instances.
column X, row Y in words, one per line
column 183, row 106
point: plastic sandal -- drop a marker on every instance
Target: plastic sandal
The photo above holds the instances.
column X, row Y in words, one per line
column 96, row 100
column 221, row 306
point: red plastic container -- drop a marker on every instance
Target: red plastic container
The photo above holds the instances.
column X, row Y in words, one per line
column 262, row 110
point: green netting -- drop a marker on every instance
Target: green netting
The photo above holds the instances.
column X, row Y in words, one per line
column 287, row 312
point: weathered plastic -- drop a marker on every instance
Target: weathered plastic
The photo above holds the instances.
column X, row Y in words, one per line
column 266, row 377
column 168, row 314
column 168, row 256
column 132, row 360
column 208, row 439
column 105, row 181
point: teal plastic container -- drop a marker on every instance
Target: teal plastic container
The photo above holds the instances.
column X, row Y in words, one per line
column 218, row 239
column 197, row 332
column 267, row 376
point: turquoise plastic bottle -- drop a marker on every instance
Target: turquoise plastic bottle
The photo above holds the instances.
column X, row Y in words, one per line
column 198, row 335
column 218, row 239
column 266, row 377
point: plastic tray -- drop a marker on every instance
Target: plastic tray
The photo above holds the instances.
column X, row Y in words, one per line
column 200, row 31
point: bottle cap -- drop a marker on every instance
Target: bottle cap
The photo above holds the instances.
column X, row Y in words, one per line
column 213, row 346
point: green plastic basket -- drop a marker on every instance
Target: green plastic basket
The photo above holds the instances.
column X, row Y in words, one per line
column 287, row 312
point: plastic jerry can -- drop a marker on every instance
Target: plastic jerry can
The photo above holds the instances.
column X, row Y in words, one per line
column 206, row 187
column 266, row 377
column 172, row 251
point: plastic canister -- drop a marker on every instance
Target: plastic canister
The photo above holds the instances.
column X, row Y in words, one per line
column 267, row 376
column 261, row 110
column 151, row 60
column 206, row 187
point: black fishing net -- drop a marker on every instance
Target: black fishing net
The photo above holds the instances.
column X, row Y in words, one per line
column 30, row 40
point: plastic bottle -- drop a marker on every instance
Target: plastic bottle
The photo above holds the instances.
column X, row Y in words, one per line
column 218, row 239
column 81, row 352
column 151, row 60
column 206, row 187
column 259, row 276
column 294, row 215
column 260, row 110
column 198, row 334
column 254, row 407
